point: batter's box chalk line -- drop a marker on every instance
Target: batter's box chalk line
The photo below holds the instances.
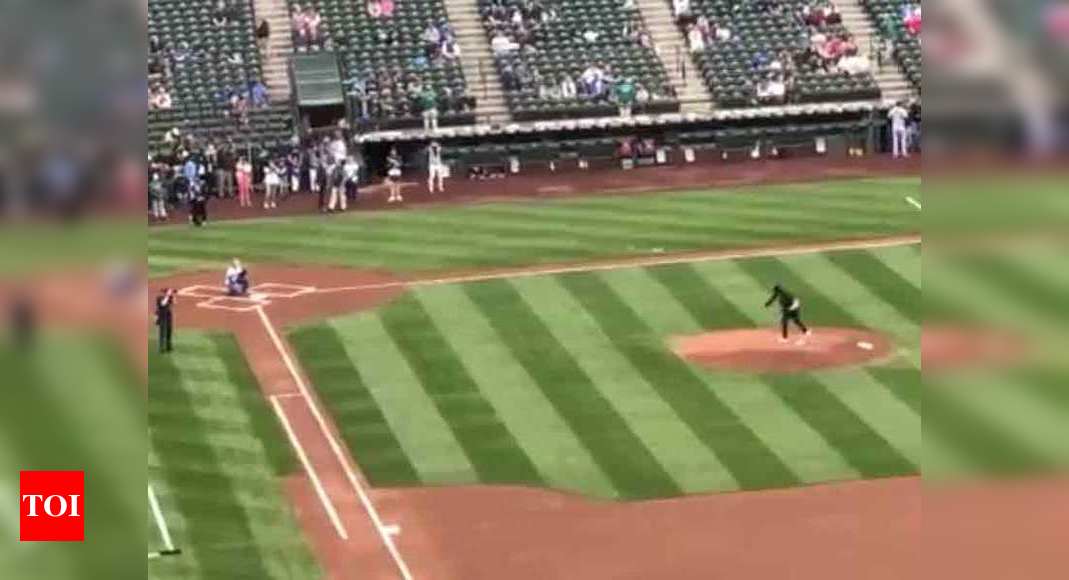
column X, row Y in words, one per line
column 280, row 290
column 233, row 303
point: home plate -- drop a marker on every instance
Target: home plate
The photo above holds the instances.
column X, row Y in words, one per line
column 865, row 345
column 257, row 296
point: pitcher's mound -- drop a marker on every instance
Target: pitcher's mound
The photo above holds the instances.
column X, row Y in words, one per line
column 759, row 349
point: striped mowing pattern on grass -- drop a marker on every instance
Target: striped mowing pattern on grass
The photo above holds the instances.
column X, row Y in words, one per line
column 565, row 381
column 530, row 232
column 216, row 460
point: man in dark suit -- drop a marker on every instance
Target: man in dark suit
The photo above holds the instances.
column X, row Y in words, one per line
column 165, row 318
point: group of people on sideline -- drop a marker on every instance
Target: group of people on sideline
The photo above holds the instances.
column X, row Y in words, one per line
column 194, row 170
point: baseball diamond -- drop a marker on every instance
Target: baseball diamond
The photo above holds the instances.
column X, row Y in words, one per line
column 530, row 360
column 586, row 290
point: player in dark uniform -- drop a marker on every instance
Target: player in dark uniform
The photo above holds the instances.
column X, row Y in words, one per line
column 165, row 318
column 790, row 311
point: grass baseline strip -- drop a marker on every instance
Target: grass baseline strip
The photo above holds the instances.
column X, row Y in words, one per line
column 623, row 457
column 492, row 450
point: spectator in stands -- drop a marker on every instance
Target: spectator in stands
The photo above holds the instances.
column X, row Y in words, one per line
column 912, row 20
column 681, row 9
column 771, row 91
column 432, row 41
column 695, row 39
column 159, row 99
column 500, row 43
column 856, row 64
column 593, row 81
column 721, row 32
column 451, row 49
column 313, row 21
column 223, row 12
column 567, row 87
column 428, row 103
column 263, row 34
column 299, row 28
column 625, row 96
column 258, row 94
column 642, row 95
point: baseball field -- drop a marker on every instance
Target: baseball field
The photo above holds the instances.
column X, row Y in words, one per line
column 393, row 373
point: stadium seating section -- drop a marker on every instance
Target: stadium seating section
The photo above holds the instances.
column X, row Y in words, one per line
column 907, row 48
column 200, row 55
column 355, row 36
column 727, row 66
column 561, row 50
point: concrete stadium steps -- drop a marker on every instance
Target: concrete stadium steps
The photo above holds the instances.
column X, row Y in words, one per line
column 671, row 46
column 276, row 56
column 894, row 86
column 477, row 62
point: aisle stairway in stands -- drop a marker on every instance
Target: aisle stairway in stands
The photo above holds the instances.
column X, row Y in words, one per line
column 477, row 61
column 671, row 46
column 894, row 86
column 276, row 55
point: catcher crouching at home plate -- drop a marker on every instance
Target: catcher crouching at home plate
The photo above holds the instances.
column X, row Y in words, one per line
column 236, row 280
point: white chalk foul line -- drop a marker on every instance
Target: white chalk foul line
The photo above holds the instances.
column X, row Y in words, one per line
column 339, row 454
column 634, row 263
column 161, row 523
column 913, row 202
column 332, row 513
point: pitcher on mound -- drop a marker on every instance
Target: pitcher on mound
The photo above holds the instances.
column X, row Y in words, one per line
column 790, row 311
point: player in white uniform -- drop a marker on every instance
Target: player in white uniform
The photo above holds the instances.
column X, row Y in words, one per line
column 436, row 168
column 394, row 163
column 899, row 134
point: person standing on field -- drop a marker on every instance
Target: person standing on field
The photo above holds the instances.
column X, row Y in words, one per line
column 436, row 168
column 899, row 132
column 337, row 188
column 157, row 191
column 165, row 319
column 394, row 163
column 790, row 308
column 243, row 174
column 272, row 184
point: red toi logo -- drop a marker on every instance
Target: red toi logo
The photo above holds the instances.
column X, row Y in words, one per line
column 51, row 506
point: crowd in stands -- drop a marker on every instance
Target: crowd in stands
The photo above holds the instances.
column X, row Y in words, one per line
column 548, row 52
column 399, row 58
column 391, row 93
column 898, row 34
column 305, row 25
column 774, row 44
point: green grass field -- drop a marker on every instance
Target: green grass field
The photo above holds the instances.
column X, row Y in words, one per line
column 531, row 232
column 566, row 381
column 216, row 456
